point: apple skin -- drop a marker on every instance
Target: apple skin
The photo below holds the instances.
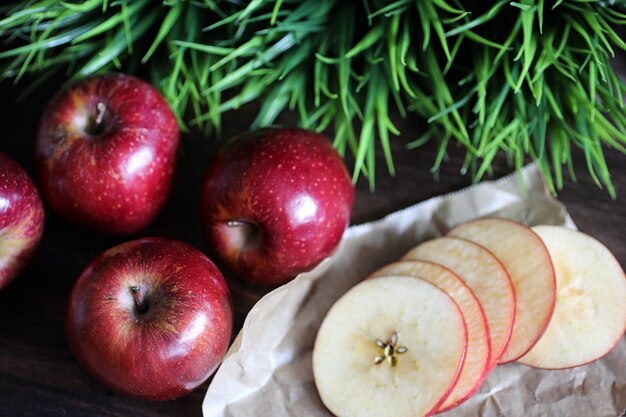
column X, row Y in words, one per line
column 170, row 348
column 274, row 203
column 105, row 153
column 21, row 219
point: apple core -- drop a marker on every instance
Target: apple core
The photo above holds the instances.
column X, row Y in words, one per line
column 389, row 350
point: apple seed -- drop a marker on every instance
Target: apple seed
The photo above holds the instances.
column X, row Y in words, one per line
column 389, row 350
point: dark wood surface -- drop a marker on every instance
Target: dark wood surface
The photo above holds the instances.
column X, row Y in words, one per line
column 38, row 374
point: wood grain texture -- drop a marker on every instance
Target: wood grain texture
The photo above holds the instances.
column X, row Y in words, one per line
column 39, row 376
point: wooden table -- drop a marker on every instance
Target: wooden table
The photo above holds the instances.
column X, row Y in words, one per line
column 38, row 374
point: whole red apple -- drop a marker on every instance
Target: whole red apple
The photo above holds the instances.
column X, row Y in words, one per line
column 105, row 153
column 275, row 203
column 151, row 318
column 21, row 219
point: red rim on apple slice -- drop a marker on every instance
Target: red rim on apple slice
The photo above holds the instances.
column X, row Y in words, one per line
column 528, row 263
column 391, row 346
column 485, row 276
column 590, row 313
column 478, row 346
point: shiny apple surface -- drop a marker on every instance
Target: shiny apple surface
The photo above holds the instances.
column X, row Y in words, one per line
column 21, row 219
column 275, row 202
column 105, row 153
column 151, row 318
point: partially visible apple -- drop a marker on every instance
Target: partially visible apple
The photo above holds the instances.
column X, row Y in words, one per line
column 151, row 318
column 590, row 314
column 21, row 219
column 105, row 153
column 484, row 275
column 275, row 203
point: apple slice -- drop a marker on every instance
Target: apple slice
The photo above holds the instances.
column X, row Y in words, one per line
column 478, row 346
column 485, row 276
column 528, row 263
column 390, row 346
column 590, row 313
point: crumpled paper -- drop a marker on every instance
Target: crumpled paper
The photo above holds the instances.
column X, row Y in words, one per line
column 268, row 369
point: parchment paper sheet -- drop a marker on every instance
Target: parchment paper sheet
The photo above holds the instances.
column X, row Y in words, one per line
column 268, row 370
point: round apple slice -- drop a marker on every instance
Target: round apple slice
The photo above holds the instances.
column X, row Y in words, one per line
column 528, row 263
column 485, row 276
column 590, row 314
column 478, row 346
column 391, row 346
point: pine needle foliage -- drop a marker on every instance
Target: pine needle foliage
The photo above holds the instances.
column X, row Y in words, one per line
column 528, row 78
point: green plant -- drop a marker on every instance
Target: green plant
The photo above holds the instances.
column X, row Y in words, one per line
column 529, row 78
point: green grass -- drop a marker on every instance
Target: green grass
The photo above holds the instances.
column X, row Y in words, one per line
column 530, row 79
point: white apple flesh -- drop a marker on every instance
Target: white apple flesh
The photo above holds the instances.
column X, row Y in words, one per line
column 485, row 276
column 478, row 345
column 590, row 313
column 526, row 259
column 391, row 346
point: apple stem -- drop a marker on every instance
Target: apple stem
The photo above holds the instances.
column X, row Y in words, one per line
column 100, row 109
column 235, row 223
column 243, row 235
column 140, row 301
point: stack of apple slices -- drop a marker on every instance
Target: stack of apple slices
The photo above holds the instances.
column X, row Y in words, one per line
column 419, row 336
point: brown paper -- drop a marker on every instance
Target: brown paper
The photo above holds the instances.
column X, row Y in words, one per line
column 268, row 370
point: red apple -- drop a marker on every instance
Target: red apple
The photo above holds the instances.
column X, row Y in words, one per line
column 105, row 153
column 21, row 219
column 151, row 318
column 275, row 202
